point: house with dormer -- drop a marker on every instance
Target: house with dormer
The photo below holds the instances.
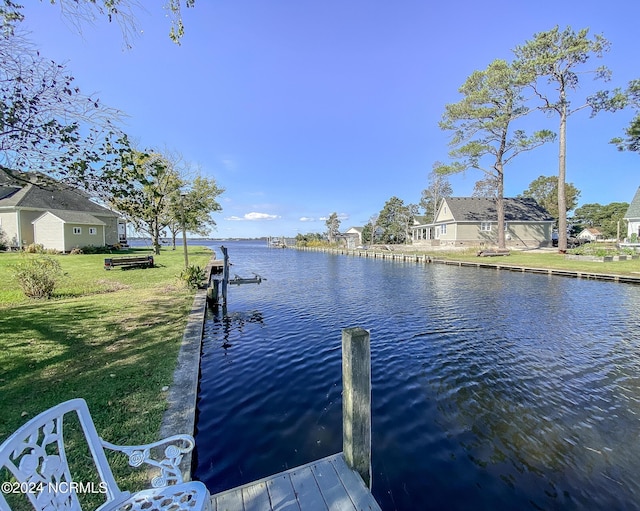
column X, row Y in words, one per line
column 35, row 208
column 473, row 221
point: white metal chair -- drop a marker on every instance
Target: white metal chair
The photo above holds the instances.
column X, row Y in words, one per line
column 35, row 458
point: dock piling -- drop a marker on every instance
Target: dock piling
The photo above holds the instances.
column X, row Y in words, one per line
column 225, row 274
column 356, row 401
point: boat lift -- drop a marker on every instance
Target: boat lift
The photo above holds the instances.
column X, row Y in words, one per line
column 218, row 287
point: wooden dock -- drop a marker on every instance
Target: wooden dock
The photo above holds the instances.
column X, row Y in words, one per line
column 326, row 484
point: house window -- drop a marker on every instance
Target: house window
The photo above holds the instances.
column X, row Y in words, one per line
column 443, row 229
column 506, row 226
column 77, row 230
column 93, row 230
column 485, row 226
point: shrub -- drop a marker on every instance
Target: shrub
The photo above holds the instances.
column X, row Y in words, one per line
column 34, row 248
column 193, row 276
column 38, row 276
column 4, row 244
column 90, row 249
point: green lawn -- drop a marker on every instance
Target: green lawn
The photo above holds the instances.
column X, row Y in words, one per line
column 551, row 259
column 111, row 337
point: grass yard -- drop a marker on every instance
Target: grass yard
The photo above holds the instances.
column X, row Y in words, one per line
column 550, row 259
column 110, row 337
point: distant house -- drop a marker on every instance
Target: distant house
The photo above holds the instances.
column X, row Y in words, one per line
column 633, row 216
column 35, row 208
column 351, row 238
column 473, row 221
column 591, row 234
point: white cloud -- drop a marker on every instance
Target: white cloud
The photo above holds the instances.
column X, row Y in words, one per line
column 260, row 216
column 254, row 216
column 307, row 219
column 341, row 217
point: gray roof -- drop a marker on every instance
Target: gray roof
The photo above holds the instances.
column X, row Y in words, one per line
column 6, row 191
column 634, row 207
column 73, row 217
column 44, row 193
column 483, row 209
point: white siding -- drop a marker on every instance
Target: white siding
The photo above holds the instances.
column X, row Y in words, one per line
column 9, row 226
column 49, row 232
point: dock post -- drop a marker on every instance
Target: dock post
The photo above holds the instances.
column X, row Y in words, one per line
column 212, row 291
column 225, row 274
column 356, row 401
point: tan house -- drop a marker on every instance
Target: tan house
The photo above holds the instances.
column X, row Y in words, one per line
column 35, row 208
column 473, row 221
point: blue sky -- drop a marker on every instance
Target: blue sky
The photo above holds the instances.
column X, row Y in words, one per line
column 301, row 108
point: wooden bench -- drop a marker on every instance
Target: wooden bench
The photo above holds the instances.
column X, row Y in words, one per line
column 34, row 467
column 494, row 252
column 129, row 262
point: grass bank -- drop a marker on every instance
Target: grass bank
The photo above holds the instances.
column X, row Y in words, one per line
column 539, row 258
column 110, row 337
column 547, row 259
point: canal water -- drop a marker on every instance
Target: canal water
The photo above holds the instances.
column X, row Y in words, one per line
column 491, row 389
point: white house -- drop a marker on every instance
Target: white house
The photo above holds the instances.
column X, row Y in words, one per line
column 591, row 234
column 633, row 217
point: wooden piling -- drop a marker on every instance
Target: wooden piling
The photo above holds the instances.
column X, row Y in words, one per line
column 225, row 274
column 213, row 291
column 356, row 401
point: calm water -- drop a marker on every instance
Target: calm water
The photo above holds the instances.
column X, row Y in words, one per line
column 491, row 390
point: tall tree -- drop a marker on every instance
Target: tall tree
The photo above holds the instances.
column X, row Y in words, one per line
column 79, row 12
column 606, row 218
column 438, row 188
column 554, row 61
column 333, row 227
column 369, row 230
column 482, row 125
column 47, row 124
column 487, row 187
column 148, row 206
column 191, row 207
column 617, row 100
column 544, row 190
column 393, row 220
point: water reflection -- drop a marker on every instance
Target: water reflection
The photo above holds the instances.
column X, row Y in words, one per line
column 491, row 390
column 231, row 325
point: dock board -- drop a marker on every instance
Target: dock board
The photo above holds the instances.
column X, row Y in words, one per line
column 326, row 484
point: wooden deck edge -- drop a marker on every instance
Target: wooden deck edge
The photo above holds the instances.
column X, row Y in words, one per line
column 328, row 483
column 284, row 472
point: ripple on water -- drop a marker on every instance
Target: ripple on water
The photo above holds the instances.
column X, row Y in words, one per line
column 491, row 390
